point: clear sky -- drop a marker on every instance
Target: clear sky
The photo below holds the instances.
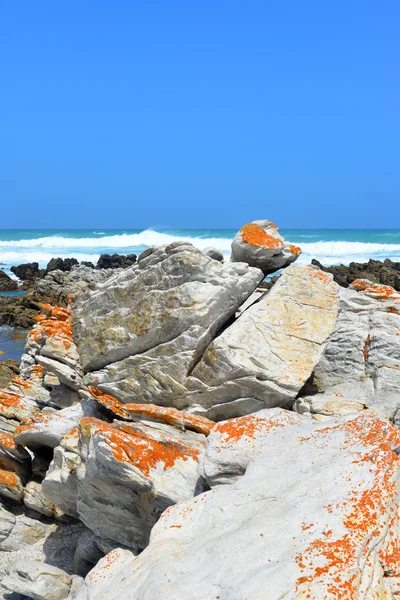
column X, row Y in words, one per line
column 199, row 114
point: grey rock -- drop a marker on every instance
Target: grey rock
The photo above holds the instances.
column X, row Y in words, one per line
column 260, row 245
column 26, row 532
column 214, row 253
column 38, row 580
column 360, row 366
column 174, row 293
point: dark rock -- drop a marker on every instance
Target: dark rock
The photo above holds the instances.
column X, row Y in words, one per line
column 61, row 264
column 8, row 369
column 27, row 271
column 6, row 283
column 87, row 263
column 385, row 272
column 115, row 261
column 267, row 284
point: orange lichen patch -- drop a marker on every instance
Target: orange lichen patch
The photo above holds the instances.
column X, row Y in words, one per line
column 366, row 347
column 9, row 399
column 109, row 402
column 21, row 382
column 295, row 249
column 251, row 426
column 334, row 566
column 37, row 419
column 38, row 370
column 318, row 275
column 8, row 478
column 394, row 311
column 255, row 235
column 375, row 290
column 152, row 412
column 54, row 321
column 171, row 416
column 129, row 444
column 7, row 440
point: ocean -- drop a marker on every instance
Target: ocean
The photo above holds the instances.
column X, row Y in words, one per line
column 330, row 246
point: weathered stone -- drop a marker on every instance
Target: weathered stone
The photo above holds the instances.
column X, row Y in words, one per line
column 386, row 272
column 35, row 499
column 260, row 245
column 152, row 412
column 38, row 580
column 315, row 515
column 176, row 299
column 130, row 472
column 7, row 522
column 14, row 457
column 214, row 253
column 61, row 484
column 116, row 261
column 27, row 271
column 26, row 532
column 361, row 362
column 264, row 358
column 6, row 283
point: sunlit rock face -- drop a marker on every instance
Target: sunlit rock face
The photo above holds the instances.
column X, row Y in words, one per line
column 259, row 244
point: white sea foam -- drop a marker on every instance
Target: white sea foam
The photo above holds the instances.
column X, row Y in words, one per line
column 41, row 250
column 125, row 240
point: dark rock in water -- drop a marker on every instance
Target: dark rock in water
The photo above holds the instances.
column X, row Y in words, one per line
column 385, row 272
column 6, row 283
column 115, row 261
column 61, row 264
column 8, row 369
column 87, row 263
column 27, row 271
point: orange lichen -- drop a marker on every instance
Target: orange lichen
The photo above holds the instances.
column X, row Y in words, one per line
column 233, row 430
column 8, row 478
column 255, row 235
column 319, row 275
column 54, row 321
column 295, row 249
column 393, row 310
column 109, row 402
column 376, row 290
column 129, row 443
column 37, row 419
column 170, row 416
column 21, row 382
column 334, row 565
column 7, row 440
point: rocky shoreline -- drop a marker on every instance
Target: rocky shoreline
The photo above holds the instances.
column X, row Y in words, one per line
column 177, row 431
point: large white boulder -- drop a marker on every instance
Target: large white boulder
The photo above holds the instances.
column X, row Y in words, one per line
column 174, row 293
column 314, row 515
column 361, row 363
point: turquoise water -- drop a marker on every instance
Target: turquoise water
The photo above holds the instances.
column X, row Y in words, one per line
column 14, row 293
column 330, row 246
column 12, row 348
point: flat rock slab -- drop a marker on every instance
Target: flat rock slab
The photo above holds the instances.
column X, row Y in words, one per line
column 361, row 362
column 265, row 357
column 38, row 580
column 314, row 516
column 174, row 290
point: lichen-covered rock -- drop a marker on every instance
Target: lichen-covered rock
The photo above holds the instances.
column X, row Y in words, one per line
column 260, row 245
column 152, row 412
column 46, row 429
column 314, row 516
column 119, row 477
column 35, row 499
column 38, row 581
column 361, row 363
column 61, row 484
column 167, row 309
column 264, row 358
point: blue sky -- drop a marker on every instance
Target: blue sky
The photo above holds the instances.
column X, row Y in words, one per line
column 199, row 114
